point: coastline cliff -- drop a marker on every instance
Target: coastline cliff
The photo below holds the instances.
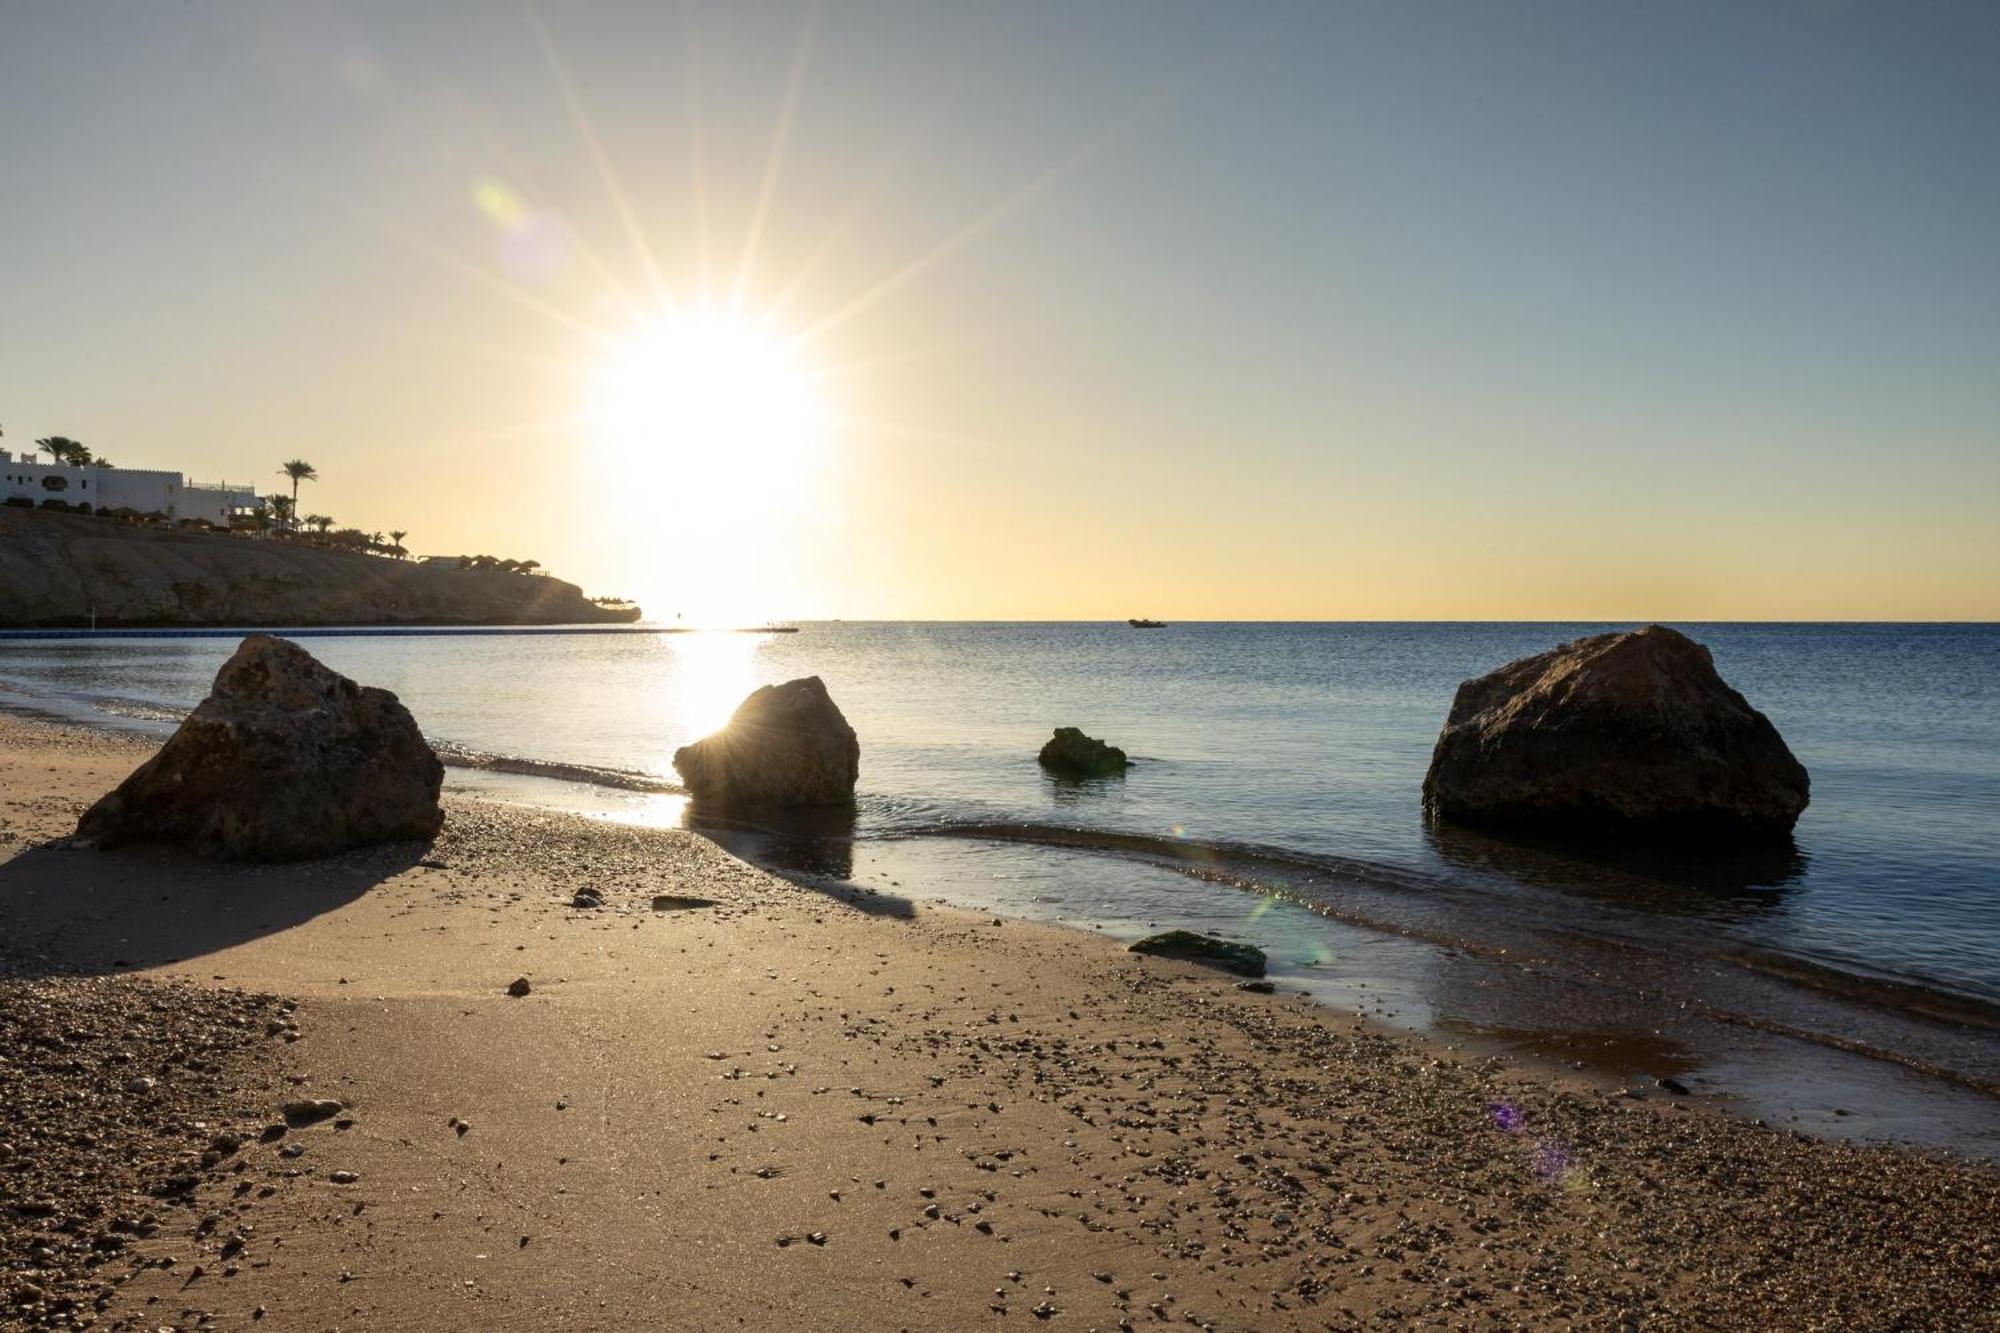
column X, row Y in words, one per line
column 58, row 569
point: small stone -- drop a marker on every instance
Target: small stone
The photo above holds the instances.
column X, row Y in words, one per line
column 310, row 1110
column 519, row 987
column 342, row 1177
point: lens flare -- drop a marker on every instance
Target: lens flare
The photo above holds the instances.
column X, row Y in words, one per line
column 533, row 246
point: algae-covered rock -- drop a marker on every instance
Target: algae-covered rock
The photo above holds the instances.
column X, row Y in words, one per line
column 1245, row 960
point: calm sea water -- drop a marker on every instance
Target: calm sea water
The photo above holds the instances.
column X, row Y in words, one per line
column 1307, row 741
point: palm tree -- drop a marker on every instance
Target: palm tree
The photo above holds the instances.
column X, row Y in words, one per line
column 282, row 509
column 298, row 470
column 397, row 536
column 318, row 521
column 62, row 449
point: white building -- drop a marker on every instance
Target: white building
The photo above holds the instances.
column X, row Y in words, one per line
column 90, row 488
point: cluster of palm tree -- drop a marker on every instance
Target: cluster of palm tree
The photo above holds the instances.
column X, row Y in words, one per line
column 283, row 511
column 70, row 453
column 483, row 562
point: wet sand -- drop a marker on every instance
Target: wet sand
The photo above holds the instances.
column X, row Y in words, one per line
column 802, row 1109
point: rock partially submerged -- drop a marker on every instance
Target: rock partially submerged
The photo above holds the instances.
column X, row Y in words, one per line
column 786, row 745
column 1630, row 733
column 1245, row 960
column 1071, row 754
column 285, row 760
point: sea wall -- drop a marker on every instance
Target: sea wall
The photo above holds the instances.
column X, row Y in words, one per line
column 63, row 569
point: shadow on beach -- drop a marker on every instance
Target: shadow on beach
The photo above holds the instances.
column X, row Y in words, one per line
column 812, row 849
column 68, row 912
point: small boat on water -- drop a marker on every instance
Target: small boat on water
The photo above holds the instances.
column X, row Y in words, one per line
column 1147, row 624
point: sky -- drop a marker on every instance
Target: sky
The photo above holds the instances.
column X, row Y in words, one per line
column 1045, row 311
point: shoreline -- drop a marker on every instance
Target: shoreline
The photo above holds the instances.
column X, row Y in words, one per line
column 1898, row 1072
column 808, row 1109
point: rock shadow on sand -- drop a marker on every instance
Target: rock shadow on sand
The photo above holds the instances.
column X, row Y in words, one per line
column 75, row 911
column 810, row 847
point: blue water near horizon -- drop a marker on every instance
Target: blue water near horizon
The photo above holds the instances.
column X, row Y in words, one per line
column 1307, row 737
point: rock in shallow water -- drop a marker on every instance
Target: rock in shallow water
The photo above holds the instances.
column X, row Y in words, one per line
column 1245, row 960
column 1071, row 754
column 786, row 745
column 285, row 760
column 1614, row 734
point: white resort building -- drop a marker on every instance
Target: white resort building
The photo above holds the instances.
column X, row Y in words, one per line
column 92, row 489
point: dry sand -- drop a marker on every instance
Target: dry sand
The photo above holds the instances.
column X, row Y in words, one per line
column 792, row 1110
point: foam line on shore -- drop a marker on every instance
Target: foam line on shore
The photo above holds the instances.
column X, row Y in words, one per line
column 455, row 756
column 1236, row 866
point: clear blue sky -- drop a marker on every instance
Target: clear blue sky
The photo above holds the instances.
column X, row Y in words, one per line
column 1320, row 310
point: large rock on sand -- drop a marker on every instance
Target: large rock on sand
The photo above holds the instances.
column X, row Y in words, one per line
column 1614, row 734
column 786, row 745
column 284, row 760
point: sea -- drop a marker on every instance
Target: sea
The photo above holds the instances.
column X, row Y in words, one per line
column 1845, row 981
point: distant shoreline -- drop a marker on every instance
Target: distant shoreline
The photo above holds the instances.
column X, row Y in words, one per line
column 70, row 572
column 365, row 629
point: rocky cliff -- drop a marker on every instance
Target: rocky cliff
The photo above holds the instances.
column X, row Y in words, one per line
column 57, row 569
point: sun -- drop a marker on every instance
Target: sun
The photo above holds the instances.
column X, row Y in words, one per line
column 709, row 439
column 715, row 409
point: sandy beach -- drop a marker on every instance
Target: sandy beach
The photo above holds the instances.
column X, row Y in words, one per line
column 761, row 1106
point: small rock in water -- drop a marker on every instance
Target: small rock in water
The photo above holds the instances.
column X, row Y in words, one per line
column 1675, row 1086
column 519, row 987
column 1071, row 754
column 1257, row 987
